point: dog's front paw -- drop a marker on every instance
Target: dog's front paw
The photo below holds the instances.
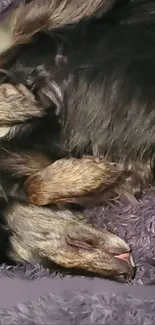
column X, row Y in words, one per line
column 17, row 104
column 72, row 181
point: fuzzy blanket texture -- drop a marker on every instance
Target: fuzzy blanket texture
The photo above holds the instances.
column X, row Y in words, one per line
column 34, row 296
column 6, row 6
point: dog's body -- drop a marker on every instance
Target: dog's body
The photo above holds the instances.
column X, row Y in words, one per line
column 94, row 83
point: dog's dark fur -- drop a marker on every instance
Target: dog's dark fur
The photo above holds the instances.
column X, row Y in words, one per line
column 94, row 87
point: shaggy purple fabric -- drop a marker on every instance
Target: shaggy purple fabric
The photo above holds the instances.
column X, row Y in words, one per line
column 34, row 296
column 4, row 4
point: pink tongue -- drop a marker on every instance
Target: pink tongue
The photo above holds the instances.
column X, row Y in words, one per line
column 123, row 256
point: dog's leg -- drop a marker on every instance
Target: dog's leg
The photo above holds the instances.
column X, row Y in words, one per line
column 86, row 181
column 81, row 181
column 41, row 234
column 17, row 104
column 15, row 167
column 22, row 164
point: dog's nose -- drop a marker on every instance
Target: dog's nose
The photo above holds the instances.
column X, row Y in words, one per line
column 127, row 257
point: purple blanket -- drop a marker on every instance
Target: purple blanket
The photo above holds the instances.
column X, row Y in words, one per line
column 6, row 6
column 34, row 296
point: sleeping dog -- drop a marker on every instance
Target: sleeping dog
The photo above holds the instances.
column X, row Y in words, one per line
column 86, row 134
